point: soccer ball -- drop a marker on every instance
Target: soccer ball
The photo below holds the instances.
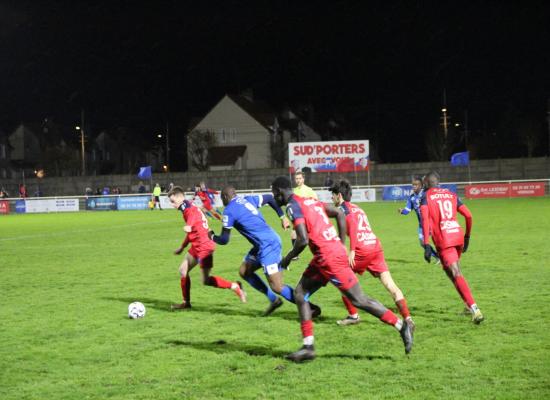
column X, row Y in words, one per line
column 136, row 310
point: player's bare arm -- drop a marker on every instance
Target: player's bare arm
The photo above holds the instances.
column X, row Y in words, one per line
column 302, row 240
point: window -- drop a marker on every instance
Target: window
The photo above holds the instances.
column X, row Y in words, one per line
column 233, row 135
column 223, row 138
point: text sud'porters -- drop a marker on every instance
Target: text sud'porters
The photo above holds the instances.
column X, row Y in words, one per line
column 341, row 156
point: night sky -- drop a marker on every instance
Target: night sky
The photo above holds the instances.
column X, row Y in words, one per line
column 382, row 65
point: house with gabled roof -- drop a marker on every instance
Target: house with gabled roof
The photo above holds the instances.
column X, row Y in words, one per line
column 250, row 134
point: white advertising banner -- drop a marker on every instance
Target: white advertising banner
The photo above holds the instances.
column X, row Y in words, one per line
column 51, row 205
column 340, row 156
column 358, row 196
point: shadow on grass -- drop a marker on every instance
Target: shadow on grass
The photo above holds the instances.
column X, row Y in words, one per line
column 221, row 346
column 290, row 313
column 401, row 261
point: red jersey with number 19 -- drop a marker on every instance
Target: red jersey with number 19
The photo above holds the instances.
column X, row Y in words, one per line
column 323, row 238
column 198, row 237
column 438, row 208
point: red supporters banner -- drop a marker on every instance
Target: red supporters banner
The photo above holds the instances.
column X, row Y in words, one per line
column 4, row 207
column 339, row 156
column 497, row 190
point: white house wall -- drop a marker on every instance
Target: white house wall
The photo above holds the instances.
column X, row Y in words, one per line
column 228, row 115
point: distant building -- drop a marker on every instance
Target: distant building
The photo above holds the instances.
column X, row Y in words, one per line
column 6, row 168
column 250, row 134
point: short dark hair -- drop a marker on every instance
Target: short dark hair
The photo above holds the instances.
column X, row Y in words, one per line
column 344, row 188
column 417, row 178
column 175, row 190
column 281, row 182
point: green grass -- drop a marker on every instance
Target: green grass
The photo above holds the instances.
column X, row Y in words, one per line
column 66, row 281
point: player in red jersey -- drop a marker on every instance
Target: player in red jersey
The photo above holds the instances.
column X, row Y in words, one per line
column 207, row 197
column 366, row 252
column 201, row 251
column 330, row 263
column 438, row 208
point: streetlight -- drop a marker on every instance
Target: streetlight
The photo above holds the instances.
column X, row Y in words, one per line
column 77, row 128
column 167, row 150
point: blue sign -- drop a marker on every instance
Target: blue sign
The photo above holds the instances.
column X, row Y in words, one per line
column 133, row 203
column 20, row 206
column 403, row 192
column 101, row 203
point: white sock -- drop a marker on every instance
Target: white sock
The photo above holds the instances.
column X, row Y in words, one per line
column 473, row 308
column 354, row 316
column 308, row 341
column 399, row 324
column 234, row 285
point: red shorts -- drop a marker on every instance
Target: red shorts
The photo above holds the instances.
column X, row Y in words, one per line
column 205, row 258
column 449, row 255
column 373, row 262
column 335, row 269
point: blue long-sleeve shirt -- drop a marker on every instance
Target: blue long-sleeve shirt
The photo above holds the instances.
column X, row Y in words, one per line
column 413, row 203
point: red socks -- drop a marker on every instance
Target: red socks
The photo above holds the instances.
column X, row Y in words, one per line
column 219, row 282
column 307, row 328
column 185, row 283
column 389, row 318
column 350, row 307
column 403, row 309
column 464, row 290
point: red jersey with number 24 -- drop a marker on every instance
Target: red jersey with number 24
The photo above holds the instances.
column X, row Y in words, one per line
column 438, row 207
column 323, row 237
column 195, row 218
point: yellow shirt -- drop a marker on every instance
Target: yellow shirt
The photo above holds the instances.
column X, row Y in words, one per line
column 156, row 191
column 305, row 191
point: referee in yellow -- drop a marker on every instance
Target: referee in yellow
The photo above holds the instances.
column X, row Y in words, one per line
column 301, row 190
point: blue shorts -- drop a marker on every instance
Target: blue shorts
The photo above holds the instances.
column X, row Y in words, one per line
column 268, row 257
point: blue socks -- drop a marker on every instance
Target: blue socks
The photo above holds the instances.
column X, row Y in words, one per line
column 288, row 293
column 256, row 282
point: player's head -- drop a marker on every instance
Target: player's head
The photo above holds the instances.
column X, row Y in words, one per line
column 299, row 178
column 341, row 191
column 417, row 184
column 281, row 189
column 431, row 179
column 176, row 196
column 228, row 193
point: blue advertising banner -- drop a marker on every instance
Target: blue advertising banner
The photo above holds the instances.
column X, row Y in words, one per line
column 133, row 203
column 20, row 206
column 101, row 203
column 403, row 192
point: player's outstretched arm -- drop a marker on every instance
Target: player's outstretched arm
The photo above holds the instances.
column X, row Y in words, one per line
column 336, row 212
column 302, row 240
column 223, row 238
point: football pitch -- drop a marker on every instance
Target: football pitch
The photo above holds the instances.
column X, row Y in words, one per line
column 67, row 279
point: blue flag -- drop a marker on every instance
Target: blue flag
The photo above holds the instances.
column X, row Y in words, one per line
column 144, row 172
column 458, row 159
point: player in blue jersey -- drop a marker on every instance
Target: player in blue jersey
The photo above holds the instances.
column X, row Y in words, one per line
column 242, row 214
column 413, row 203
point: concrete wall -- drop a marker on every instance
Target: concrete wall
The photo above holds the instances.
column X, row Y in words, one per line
column 481, row 170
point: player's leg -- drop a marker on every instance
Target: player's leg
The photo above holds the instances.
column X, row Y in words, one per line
column 374, row 307
column 207, row 262
column 247, row 271
column 189, row 261
column 452, row 269
column 397, row 295
column 212, row 212
column 302, row 292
